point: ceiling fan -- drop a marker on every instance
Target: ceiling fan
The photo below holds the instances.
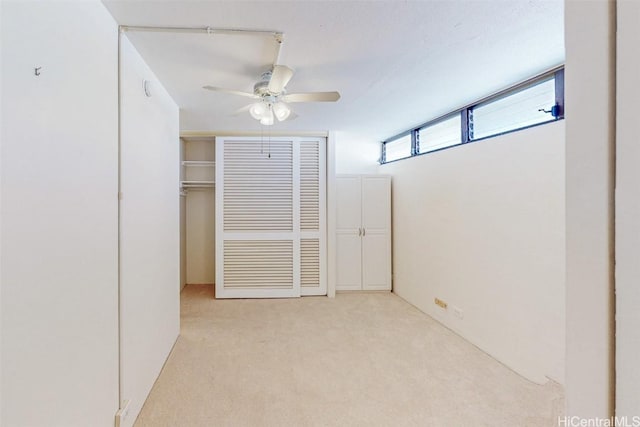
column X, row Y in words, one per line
column 272, row 97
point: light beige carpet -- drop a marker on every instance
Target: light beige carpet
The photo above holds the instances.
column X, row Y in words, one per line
column 366, row 359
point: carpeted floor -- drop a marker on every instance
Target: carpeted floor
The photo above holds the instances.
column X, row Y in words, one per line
column 361, row 359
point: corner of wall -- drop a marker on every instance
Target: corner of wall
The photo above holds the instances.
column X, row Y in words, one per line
column 590, row 146
column 627, row 212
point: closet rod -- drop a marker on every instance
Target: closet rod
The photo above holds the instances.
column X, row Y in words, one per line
column 197, row 184
column 203, row 163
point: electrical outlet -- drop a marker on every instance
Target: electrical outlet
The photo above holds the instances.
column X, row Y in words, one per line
column 458, row 312
column 122, row 413
column 440, row 303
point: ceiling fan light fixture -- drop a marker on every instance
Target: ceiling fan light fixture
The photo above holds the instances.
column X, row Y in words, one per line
column 258, row 110
column 267, row 118
column 281, row 111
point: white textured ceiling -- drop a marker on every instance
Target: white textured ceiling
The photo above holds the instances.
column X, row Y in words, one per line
column 396, row 63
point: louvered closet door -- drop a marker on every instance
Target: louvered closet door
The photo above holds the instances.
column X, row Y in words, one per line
column 312, row 223
column 269, row 217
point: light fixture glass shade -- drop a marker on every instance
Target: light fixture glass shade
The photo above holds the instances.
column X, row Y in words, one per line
column 281, row 110
column 258, row 110
column 267, row 119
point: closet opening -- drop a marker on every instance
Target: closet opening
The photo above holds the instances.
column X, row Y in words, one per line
column 259, row 206
column 197, row 212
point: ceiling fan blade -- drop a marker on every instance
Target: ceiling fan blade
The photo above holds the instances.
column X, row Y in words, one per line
column 312, row 97
column 280, row 76
column 233, row 92
column 292, row 116
column 241, row 110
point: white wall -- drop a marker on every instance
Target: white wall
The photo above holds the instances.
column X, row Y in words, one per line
column 589, row 77
column 200, row 212
column 59, row 215
column 481, row 227
column 627, row 211
column 355, row 154
column 150, row 242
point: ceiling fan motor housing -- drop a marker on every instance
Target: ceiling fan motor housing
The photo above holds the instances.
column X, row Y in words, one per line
column 262, row 87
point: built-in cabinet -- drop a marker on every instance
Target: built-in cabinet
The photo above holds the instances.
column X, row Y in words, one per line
column 363, row 232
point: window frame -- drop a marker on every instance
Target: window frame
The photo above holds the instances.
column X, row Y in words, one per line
column 434, row 123
column 383, row 154
column 466, row 115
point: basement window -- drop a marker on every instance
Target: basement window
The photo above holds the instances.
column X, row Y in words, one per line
column 396, row 149
column 518, row 110
column 534, row 102
column 437, row 136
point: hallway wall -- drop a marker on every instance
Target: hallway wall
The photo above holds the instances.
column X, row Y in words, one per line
column 150, row 227
column 59, row 217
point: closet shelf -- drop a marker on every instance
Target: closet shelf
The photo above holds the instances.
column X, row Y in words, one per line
column 197, row 184
column 200, row 163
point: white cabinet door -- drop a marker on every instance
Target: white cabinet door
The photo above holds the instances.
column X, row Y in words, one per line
column 376, row 274
column 348, row 262
column 348, row 203
column 363, row 232
column 376, row 195
column 348, row 230
column 376, row 227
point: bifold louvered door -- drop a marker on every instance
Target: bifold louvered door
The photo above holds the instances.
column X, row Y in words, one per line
column 270, row 217
column 313, row 209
